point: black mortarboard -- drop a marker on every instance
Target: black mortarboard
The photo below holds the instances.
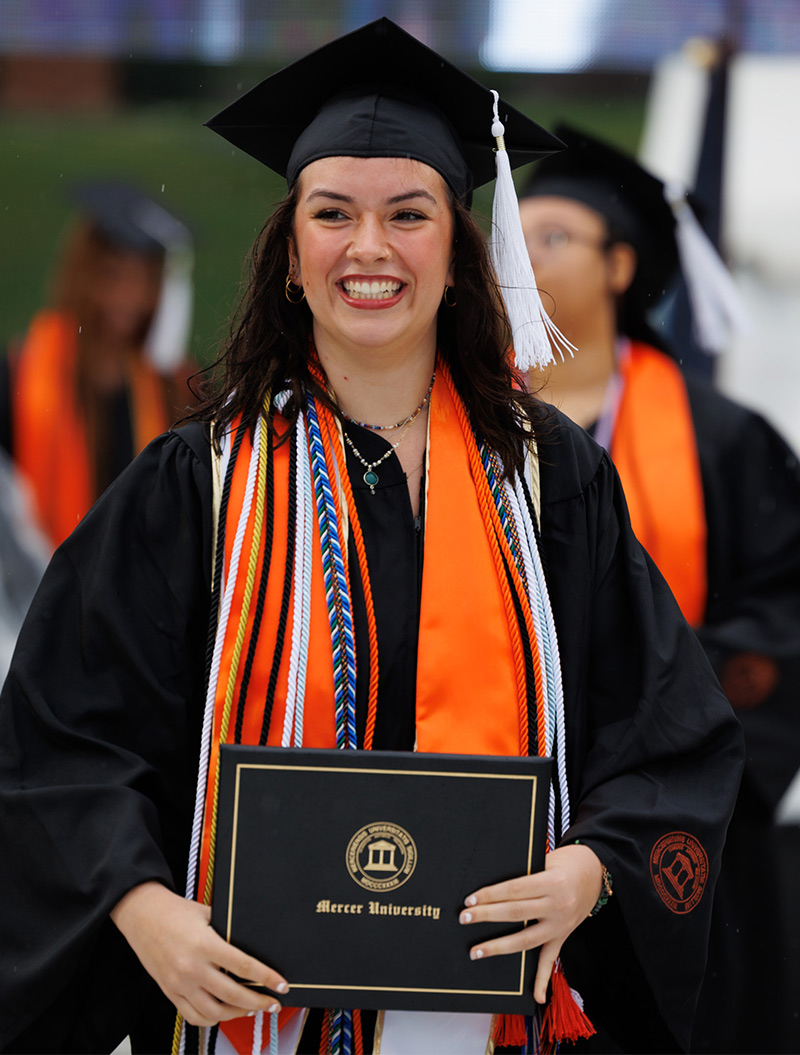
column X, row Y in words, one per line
column 378, row 92
column 129, row 218
column 630, row 198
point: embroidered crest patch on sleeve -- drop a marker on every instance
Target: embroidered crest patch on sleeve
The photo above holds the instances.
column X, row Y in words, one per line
column 679, row 867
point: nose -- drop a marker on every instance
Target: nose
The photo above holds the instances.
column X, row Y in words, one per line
column 369, row 241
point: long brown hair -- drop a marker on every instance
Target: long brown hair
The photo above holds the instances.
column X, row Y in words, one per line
column 270, row 337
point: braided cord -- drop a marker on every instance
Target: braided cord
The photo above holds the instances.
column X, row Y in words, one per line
column 258, row 1033
column 493, row 470
column 336, row 589
column 557, row 745
column 341, row 1042
column 273, row 1034
column 358, row 538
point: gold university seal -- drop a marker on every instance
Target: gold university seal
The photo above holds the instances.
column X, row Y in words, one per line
column 381, row 856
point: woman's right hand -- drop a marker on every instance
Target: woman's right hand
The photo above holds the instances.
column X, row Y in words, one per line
column 175, row 943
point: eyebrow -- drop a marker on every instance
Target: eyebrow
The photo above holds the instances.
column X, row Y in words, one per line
column 395, row 200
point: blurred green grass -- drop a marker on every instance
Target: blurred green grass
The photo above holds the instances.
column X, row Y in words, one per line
column 220, row 193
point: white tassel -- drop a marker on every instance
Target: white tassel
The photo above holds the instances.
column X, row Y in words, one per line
column 717, row 310
column 535, row 336
column 168, row 337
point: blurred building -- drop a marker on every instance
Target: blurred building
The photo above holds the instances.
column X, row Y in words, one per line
column 67, row 53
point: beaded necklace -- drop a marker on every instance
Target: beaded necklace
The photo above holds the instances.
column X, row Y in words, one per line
column 398, row 425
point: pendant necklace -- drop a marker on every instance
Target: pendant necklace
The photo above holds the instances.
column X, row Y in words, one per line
column 370, row 477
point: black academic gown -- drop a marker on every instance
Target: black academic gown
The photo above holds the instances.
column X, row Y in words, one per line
column 751, row 483
column 99, row 741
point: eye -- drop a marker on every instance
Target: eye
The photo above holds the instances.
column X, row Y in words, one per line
column 330, row 214
column 555, row 239
column 409, row 216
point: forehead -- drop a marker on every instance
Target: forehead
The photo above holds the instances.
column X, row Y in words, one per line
column 371, row 177
column 551, row 208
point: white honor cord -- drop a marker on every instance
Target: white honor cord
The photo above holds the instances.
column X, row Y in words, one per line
column 534, row 600
column 554, row 695
column 298, row 661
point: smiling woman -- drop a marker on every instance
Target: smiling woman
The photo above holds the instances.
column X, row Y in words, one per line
column 370, row 535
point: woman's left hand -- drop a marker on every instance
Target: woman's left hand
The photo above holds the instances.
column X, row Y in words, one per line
column 556, row 900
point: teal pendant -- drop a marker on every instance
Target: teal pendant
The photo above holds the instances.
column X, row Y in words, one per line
column 371, row 479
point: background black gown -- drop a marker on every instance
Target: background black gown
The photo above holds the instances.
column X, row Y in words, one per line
column 750, row 1000
column 99, row 741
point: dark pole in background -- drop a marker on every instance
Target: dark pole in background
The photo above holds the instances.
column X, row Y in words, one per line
column 707, row 196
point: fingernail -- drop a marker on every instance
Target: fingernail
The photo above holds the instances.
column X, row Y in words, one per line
column 471, row 900
column 273, row 1008
column 476, row 954
column 466, row 917
column 283, row 988
column 251, row 1014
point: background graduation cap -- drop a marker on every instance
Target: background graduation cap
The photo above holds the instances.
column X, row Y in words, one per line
column 631, row 201
column 379, row 92
column 658, row 221
column 132, row 221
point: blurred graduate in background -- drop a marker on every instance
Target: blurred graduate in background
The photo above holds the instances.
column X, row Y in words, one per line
column 103, row 369
column 714, row 495
column 24, row 553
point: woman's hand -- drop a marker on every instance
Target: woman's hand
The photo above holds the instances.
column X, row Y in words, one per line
column 175, row 943
column 556, row 900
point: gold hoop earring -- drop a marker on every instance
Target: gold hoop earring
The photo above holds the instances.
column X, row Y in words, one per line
column 450, row 303
column 291, row 291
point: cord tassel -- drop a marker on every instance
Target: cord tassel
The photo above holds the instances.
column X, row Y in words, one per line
column 534, row 335
column 509, row 1031
column 564, row 1018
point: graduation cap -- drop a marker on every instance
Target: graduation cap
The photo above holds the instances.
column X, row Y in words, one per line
column 131, row 221
column 379, row 92
column 659, row 221
column 128, row 218
column 629, row 198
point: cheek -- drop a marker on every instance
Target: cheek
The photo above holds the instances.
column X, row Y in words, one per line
column 315, row 258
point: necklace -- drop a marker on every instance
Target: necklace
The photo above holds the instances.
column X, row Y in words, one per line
column 406, row 421
column 370, row 477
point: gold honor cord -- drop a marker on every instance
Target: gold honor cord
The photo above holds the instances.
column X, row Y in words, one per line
column 240, row 635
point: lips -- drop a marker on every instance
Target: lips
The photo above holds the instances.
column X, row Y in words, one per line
column 374, row 289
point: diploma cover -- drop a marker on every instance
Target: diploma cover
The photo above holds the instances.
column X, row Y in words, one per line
column 346, row 871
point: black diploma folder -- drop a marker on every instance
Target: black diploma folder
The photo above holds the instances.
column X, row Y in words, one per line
column 346, row 871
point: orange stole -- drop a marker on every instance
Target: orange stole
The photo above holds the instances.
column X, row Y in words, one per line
column 467, row 698
column 655, row 451
column 50, row 445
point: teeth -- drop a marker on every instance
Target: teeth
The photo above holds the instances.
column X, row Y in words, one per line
column 382, row 290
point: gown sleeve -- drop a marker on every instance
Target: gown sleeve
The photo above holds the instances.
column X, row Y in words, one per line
column 99, row 734
column 751, row 630
column 654, row 755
